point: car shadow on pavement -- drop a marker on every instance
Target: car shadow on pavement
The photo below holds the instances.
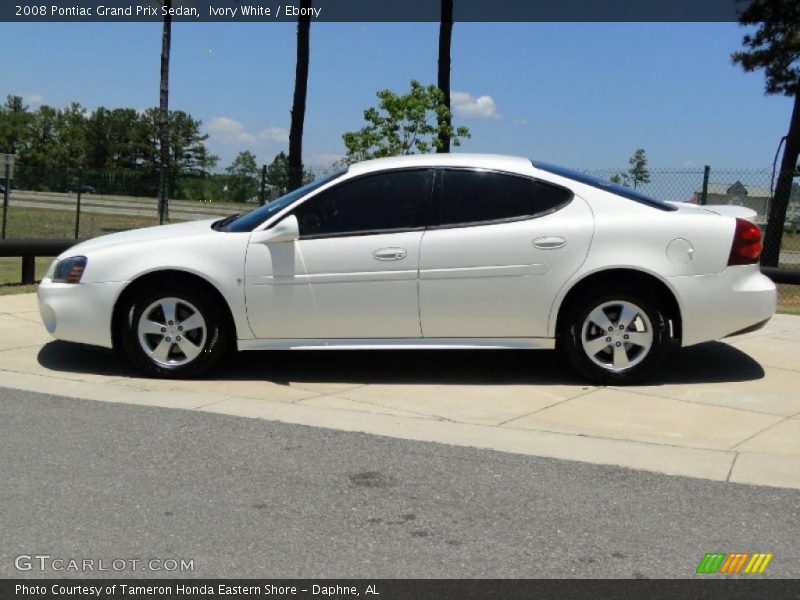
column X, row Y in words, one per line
column 706, row 363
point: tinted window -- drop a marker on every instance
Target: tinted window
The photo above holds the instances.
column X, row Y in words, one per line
column 480, row 196
column 549, row 196
column 251, row 220
column 607, row 186
column 388, row 201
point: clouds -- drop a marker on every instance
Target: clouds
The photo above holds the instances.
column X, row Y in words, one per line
column 228, row 136
column 32, row 100
column 228, row 131
column 476, row 107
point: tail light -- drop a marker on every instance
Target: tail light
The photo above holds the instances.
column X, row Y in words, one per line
column 746, row 247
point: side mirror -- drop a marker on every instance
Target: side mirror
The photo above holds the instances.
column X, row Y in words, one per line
column 285, row 230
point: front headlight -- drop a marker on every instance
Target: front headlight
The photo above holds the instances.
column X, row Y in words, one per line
column 69, row 270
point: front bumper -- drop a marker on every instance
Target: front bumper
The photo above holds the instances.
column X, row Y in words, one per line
column 79, row 312
column 739, row 298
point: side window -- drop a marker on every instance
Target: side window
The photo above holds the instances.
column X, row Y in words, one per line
column 387, row 201
column 549, row 196
column 480, row 196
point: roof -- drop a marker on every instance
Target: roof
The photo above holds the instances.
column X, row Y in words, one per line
column 489, row 161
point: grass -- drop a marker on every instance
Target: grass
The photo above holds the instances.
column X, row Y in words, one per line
column 11, row 275
column 790, row 241
column 60, row 224
column 789, row 299
column 55, row 224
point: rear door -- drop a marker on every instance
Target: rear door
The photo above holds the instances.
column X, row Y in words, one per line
column 498, row 249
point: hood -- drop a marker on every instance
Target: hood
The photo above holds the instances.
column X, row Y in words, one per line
column 147, row 234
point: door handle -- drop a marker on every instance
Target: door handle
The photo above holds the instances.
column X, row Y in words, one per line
column 549, row 242
column 389, row 254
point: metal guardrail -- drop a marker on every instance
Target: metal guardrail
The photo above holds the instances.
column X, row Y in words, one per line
column 778, row 275
column 29, row 249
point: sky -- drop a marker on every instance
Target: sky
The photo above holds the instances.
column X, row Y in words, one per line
column 583, row 95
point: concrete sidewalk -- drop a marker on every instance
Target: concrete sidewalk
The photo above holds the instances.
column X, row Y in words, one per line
column 723, row 411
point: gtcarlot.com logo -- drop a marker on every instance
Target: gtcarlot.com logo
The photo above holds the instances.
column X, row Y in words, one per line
column 735, row 563
column 46, row 562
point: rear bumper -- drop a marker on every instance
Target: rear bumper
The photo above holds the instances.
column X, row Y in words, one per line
column 737, row 300
column 79, row 312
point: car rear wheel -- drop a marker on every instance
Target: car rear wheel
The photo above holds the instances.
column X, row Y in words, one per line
column 174, row 333
column 616, row 338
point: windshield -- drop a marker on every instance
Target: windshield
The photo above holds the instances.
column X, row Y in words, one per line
column 250, row 220
column 607, row 186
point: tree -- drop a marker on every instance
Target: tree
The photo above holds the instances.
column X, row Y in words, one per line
column 71, row 134
column 638, row 173
column 42, row 151
column 775, row 47
column 242, row 177
column 117, row 149
column 299, row 100
column 15, row 120
column 443, row 80
column 163, row 113
column 620, row 178
column 278, row 173
column 98, row 140
column 404, row 124
column 121, row 138
column 188, row 155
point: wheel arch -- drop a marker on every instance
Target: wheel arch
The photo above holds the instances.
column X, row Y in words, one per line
column 167, row 277
column 624, row 276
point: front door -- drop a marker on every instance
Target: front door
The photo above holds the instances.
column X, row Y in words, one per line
column 353, row 272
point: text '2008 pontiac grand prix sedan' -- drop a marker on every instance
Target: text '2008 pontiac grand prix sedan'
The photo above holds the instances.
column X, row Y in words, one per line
column 431, row 251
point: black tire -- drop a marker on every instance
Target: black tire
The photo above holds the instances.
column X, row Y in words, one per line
column 210, row 347
column 642, row 363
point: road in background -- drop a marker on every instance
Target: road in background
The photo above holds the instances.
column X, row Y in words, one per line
column 132, row 206
column 253, row 498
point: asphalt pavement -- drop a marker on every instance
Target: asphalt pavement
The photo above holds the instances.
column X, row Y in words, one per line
column 254, row 498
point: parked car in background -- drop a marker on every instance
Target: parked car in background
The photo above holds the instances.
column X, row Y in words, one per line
column 87, row 189
column 429, row 251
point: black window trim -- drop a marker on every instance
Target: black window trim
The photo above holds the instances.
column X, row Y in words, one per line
column 423, row 210
column 439, row 196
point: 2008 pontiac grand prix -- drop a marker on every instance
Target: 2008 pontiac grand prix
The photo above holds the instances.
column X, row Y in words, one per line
column 428, row 251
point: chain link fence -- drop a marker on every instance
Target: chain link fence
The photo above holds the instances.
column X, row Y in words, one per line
column 77, row 203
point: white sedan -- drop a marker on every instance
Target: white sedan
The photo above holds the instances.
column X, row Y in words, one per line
column 430, row 251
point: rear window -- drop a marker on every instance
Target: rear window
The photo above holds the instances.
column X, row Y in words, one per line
column 606, row 186
column 471, row 196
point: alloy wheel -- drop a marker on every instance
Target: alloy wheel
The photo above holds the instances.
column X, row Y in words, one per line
column 172, row 332
column 617, row 335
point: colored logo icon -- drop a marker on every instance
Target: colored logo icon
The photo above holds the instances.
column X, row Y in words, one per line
column 735, row 563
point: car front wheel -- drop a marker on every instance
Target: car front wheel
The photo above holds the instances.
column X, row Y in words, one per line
column 616, row 338
column 174, row 334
